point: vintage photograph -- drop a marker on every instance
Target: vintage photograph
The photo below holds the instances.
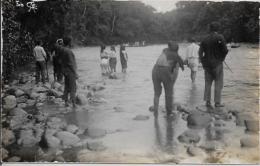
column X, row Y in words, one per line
column 132, row 81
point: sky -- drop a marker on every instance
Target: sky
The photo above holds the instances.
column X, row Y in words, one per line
column 161, row 5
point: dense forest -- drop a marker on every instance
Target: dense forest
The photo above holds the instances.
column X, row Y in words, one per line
column 114, row 22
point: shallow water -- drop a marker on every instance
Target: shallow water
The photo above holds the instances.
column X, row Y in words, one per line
column 128, row 140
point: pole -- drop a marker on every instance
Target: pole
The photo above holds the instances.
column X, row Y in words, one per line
column 228, row 67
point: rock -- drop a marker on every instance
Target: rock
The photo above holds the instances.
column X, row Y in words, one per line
column 241, row 117
column 4, row 153
column 81, row 99
column 56, row 85
column 194, row 151
column 252, row 125
column 198, row 120
column 39, row 104
column 141, row 117
column 34, row 95
column 40, row 117
column 56, row 93
column 61, row 89
column 8, row 137
column 90, row 94
column 11, row 91
column 67, row 138
column 189, row 136
column 96, row 133
column 249, row 142
column 96, row 146
column 31, row 102
column 56, row 123
column 27, row 153
column 9, row 102
column 59, row 159
column 42, row 97
column 52, row 142
column 18, row 112
column 19, row 92
column 21, row 105
column 183, row 108
column 50, row 131
column 22, row 99
column 47, row 85
column 27, row 138
column 212, row 145
column 72, row 128
column 14, row 159
column 39, row 89
column 113, row 76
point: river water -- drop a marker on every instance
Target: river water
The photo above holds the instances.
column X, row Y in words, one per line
column 147, row 141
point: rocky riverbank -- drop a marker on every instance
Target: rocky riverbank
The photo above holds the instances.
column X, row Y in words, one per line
column 34, row 129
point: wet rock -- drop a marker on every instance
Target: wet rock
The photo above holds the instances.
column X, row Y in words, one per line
column 52, row 142
column 34, row 95
column 50, row 131
column 252, row 125
column 81, row 99
column 96, row 146
column 19, row 92
column 14, row 159
column 22, row 99
column 19, row 118
column 8, row 137
column 31, row 102
column 189, row 136
column 21, row 105
column 56, row 85
column 249, row 142
column 55, row 93
column 27, row 138
column 39, row 104
column 72, row 128
column 96, row 133
column 67, row 138
column 56, row 123
column 198, row 120
column 9, row 102
column 194, row 151
column 241, row 117
column 141, row 117
column 4, row 153
column 42, row 97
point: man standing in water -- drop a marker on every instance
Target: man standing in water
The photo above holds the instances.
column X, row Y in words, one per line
column 40, row 57
column 165, row 72
column 212, row 53
column 69, row 69
column 192, row 58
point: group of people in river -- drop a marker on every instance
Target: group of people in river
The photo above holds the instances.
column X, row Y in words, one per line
column 109, row 59
column 211, row 53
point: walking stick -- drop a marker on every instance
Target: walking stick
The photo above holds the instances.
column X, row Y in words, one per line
column 46, row 65
column 228, row 67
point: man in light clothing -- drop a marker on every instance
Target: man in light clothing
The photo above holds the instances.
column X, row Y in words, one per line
column 40, row 57
column 192, row 58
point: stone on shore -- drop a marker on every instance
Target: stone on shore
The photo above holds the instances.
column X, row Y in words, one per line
column 9, row 102
column 31, row 102
column 56, row 124
column 141, row 117
column 67, row 138
column 249, row 142
column 8, row 137
column 72, row 128
column 27, row 138
column 52, row 142
column 198, row 120
column 81, row 99
column 34, row 95
column 189, row 137
column 96, row 146
column 195, row 151
column 19, row 93
column 39, row 89
column 96, row 133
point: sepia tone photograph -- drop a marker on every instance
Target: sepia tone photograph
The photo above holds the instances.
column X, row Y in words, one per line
column 130, row 82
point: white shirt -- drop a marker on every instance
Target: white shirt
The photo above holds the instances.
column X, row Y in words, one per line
column 39, row 53
column 192, row 53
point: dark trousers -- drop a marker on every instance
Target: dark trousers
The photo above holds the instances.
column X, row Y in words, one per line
column 216, row 74
column 162, row 75
column 57, row 70
column 70, row 87
column 40, row 71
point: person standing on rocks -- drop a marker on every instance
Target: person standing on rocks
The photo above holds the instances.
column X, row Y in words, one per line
column 69, row 69
column 165, row 72
column 192, row 58
column 40, row 57
column 212, row 53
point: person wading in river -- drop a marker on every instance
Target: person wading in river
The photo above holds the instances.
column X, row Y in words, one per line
column 112, row 59
column 104, row 60
column 123, row 58
column 56, row 59
column 212, row 53
column 192, row 58
column 69, row 69
column 165, row 72
column 40, row 57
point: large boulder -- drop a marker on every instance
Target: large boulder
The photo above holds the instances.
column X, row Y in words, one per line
column 9, row 102
column 19, row 92
column 67, row 138
column 27, row 138
column 52, row 142
column 81, row 99
column 8, row 137
column 34, row 95
column 198, row 120
column 19, row 118
column 189, row 137
column 195, row 151
column 56, row 124
column 96, row 133
column 249, row 142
